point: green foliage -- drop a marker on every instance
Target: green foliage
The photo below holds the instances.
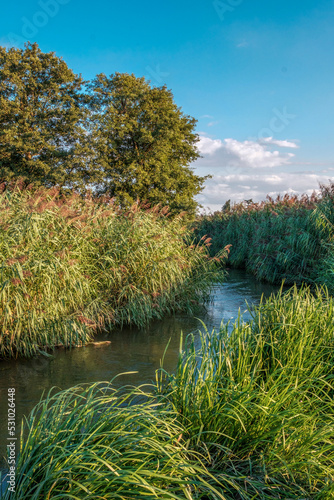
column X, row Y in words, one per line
column 120, row 137
column 248, row 414
column 91, row 442
column 71, row 265
column 258, row 403
column 41, row 119
column 144, row 143
column 323, row 218
column 282, row 239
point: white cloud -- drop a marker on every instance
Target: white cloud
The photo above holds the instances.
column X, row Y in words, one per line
column 209, row 146
column 239, row 187
column 281, row 144
column 250, row 169
column 256, row 155
column 247, row 154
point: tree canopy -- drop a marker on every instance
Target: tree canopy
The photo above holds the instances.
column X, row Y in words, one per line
column 144, row 143
column 41, row 117
column 117, row 135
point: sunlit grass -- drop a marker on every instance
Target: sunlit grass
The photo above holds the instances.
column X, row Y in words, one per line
column 97, row 442
column 247, row 414
column 71, row 266
column 258, row 402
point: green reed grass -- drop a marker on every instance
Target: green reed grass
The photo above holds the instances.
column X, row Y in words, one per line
column 71, row 266
column 247, row 415
column 94, row 442
column 258, row 402
column 286, row 238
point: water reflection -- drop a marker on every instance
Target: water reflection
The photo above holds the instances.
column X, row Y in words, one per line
column 130, row 350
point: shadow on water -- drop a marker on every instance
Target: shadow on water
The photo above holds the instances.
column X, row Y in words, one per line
column 138, row 350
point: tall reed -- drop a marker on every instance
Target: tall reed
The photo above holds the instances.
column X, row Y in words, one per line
column 71, row 266
column 258, row 403
column 94, row 442
column 248, row 414
column 276, row 239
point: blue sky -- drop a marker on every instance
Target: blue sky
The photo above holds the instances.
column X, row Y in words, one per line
column 257, row 75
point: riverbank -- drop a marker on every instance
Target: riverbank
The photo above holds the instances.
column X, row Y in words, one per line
column 73, row 266
column 290, row 238
column 247, row 414
column 131, row 349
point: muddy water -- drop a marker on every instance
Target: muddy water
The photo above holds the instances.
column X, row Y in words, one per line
column 135, row 350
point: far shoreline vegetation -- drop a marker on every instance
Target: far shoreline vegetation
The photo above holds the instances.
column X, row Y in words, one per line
column 247, row 414
column 289, row 238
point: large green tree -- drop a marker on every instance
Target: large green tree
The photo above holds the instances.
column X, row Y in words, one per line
column 143, row 143
column 42, row 118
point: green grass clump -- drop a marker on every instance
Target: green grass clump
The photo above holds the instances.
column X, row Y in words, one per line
column 286, row 238
column 94, row 442
column 258, row 402
column 247, row 415
column 70, row 266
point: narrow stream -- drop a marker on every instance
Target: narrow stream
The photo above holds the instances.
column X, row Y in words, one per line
column 138, row 350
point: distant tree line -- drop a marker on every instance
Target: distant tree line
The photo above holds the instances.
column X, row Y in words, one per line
column 116, row 135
